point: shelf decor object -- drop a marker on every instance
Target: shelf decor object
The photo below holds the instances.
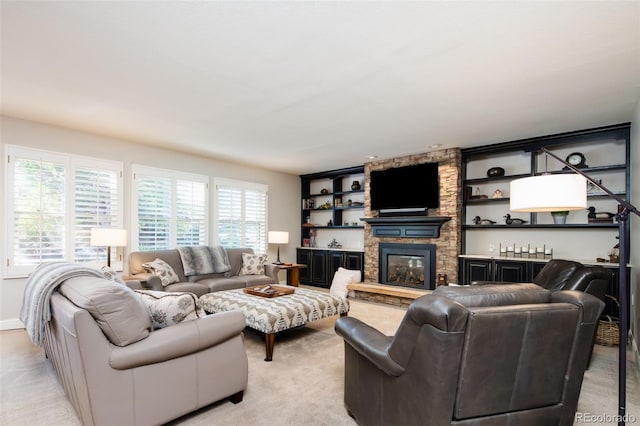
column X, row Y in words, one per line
column 560, row 217
column 555, row 192
column 108, row 237
column 278, row 237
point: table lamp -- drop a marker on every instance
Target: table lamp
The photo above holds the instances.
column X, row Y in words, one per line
column 109, row 237
column 565, row 192
column 278, row 237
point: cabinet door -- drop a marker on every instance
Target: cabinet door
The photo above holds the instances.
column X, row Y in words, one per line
column 304, row 257
column 509, row 271
column 319, row 268
column 354, row 260
column 476, row 270
column 536, row 267
column 335, row 261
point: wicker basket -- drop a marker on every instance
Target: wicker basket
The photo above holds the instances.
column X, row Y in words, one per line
column 608, row 333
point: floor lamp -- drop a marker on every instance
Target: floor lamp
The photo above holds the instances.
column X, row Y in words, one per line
column 109, row 237
column 564, row 192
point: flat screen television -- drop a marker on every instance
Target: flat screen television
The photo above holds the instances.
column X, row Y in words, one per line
column 410, row 188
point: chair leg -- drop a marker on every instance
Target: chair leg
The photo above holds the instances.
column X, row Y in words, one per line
column 236, row 397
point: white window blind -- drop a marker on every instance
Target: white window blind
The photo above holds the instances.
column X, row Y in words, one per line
column 53, row 200
column 96, row 205
column 170, row 209
column 241, row 214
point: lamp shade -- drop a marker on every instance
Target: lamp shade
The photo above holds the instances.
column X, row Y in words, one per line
column 278, row 237
column 110, row 237
column 548, row 193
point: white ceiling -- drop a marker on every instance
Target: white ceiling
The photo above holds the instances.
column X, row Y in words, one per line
column 309, row 86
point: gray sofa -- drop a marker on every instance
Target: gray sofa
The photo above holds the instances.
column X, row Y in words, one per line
column 199, row 284
column 116, row 371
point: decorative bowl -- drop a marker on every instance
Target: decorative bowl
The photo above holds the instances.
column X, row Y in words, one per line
column 495, row 172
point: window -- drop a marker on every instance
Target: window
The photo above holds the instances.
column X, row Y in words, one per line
column 169, row 209
column 241, row 214
column 53, row 201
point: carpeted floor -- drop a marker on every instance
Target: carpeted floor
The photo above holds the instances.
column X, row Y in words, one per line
column 301, row 386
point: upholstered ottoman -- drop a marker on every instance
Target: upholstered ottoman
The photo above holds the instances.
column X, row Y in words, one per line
column 275, row 314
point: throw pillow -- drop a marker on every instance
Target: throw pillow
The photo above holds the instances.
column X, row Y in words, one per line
column 167, row 308
column 111, row 274
column 341, row 278
column 253, row 264
column 162, row 269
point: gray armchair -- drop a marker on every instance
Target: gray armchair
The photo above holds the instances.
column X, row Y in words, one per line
column 473, row 355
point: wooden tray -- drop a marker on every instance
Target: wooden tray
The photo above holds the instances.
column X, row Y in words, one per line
column 269, row 290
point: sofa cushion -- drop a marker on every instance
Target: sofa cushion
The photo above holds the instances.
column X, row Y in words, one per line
column 116, row 309
column 162, row 269
column 167, row 308
column 253, row 264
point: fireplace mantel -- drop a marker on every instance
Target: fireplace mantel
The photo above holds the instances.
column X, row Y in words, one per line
column 406, row 226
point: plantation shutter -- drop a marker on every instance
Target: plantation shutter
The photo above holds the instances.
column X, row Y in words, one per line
column 53, row 201
column 96, row 205
column 170, row 209
column 38, row 212
column 241, row 211
column 255, row 219
column 191, row 213
column 154, row 213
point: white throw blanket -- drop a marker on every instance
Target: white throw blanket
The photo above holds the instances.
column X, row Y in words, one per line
column 36, row 310
column 200, row 260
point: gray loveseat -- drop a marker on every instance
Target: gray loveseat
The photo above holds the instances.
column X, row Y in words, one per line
column 115, row 371
column 199, row 284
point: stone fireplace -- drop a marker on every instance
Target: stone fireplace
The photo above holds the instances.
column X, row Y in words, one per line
column 447, row 242
column 407, row 265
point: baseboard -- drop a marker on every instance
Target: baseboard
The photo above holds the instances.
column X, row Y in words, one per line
column 11, row 324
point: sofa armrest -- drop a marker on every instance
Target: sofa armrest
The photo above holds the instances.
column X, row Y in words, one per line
column 178, row 340
column 272, row 271
column 368, row 342
column 147, row 280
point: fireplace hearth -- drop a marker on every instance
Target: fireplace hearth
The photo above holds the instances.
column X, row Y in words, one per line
column 407, row 265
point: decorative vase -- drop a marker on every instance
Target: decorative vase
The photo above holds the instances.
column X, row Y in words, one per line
column 560, row 218
column 355, row 186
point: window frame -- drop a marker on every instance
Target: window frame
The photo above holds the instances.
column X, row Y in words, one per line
column 70, row 162
column 243, row 186
column 174, row 176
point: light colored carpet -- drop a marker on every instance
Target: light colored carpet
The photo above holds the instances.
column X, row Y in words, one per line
column 303, row 385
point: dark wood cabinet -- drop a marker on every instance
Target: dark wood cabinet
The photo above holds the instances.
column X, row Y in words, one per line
column 511, row 271
column 476, row 270
column 523, row 271
column 322, row 265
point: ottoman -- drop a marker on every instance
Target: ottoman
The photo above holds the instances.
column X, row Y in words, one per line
column 275, row 314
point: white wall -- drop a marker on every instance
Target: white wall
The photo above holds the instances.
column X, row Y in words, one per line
column 634, row 223
column 284, row 189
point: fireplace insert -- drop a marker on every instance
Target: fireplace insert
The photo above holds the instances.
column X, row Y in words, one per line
column 407, row 265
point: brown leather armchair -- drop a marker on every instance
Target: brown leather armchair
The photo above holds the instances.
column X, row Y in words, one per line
column 473, row 355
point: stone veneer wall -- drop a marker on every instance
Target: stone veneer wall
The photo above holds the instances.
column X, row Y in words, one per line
column 449, row 244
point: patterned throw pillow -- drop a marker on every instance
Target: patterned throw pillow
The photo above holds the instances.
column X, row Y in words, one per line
column 162, row 269
column 111, row 274
column 253, row 264
column 169, row 308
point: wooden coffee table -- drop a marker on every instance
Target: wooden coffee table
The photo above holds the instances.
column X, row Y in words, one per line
column 271, row 315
